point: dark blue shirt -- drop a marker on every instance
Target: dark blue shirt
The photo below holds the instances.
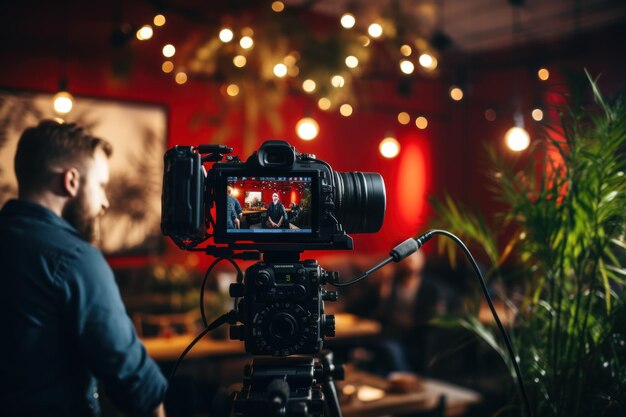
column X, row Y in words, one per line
column 233, row 210
column 64, row 323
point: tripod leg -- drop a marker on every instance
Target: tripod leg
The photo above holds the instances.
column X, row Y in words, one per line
column 332, row 400
column 328, row 385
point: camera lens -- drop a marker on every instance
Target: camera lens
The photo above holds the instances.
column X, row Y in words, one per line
column 360, row 201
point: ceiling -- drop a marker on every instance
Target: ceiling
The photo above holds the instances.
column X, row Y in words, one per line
column 483, row 25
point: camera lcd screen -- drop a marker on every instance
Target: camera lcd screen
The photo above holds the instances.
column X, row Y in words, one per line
column 269, row 205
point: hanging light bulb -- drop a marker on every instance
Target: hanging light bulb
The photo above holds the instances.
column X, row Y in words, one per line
column 389, row 147
column 63, row 101
column 307, row 128
column 517, row 138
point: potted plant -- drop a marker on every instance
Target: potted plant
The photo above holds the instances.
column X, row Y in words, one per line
column 561, row 235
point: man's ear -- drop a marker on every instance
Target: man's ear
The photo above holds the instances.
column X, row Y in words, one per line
column 71, row 182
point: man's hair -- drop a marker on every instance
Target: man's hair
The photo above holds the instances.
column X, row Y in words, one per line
column 50, row 145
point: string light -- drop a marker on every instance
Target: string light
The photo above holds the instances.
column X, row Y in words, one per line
column 239, row 61
column 226, row 35
column 232, row 90
column 406, row 50
column 421, row 122
column 169, row 50
column 246, row 42
column 145, row 33
column 278, row 6
column 352, row 61
column 389, row 147
column 375, row 30
column 543, row 74
column 456, row 93
column 167, row 67
column 345, row 110
column 307, row 128
column 348, row 21
column 428, row 61
column 159, row 20
column 309, row 86
column 537, row 114
column 180, row 78
column 407, row 66
column 337, row 81
column 404, row 118
column 324, row 103
column 280, row 70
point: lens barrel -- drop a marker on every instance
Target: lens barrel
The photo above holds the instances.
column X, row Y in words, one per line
column 360, row 201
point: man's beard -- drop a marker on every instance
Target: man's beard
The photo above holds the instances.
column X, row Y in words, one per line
column 76, row 214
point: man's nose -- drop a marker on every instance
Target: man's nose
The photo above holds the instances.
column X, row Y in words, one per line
column 105, row 203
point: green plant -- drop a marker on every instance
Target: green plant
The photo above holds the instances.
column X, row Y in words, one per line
column 561, row 232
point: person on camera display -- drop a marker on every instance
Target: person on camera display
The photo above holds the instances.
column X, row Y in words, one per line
column 276, row 213
column 233, row 210
column 60, row 308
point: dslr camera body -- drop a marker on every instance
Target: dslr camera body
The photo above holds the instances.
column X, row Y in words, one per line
column 310, row 205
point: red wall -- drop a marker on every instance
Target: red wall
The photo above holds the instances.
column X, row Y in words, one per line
column 447, row 156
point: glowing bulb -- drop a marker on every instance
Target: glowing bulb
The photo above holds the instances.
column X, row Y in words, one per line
column 345, row 110
column 406, row 50
column 307, row 128
column 324, row 103
column 421, row 122
column 278, row 6
column 517, row 139
column 169, row 50
column 159, row 20
column 348, row 21
column 375, row 30
column 145, row 33
column 280, row 70
column 404, row 118
column 537, row 114
column 239, row 61
column 63, row 102
column 428, row 61
column 407, row 66
column 337, row 81
column 543, row 74
column 309, row 86
column 232, row 90
column 352, row 61
column 246, row 42
column 167, row 67
column 456, row 93
column 180, row 78
column 226, row 35
column 389, row 147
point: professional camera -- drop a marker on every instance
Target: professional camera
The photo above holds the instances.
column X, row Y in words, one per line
column 282, row 309
column 279, row 202
column 318, row 205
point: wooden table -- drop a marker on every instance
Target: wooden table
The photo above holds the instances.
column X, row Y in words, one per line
column 457, row 399
column 169, row 348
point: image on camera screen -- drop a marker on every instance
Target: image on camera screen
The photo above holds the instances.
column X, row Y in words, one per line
column 268, row 205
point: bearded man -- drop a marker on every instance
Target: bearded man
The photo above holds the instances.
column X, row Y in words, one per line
column 64, row 324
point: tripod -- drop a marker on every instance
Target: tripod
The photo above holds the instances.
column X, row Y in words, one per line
column 282, row 311
column 298, row 386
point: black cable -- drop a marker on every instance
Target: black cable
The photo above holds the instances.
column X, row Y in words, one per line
column 518, row 373
column 204, row 281
column 411, row 246
column 230, row 317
